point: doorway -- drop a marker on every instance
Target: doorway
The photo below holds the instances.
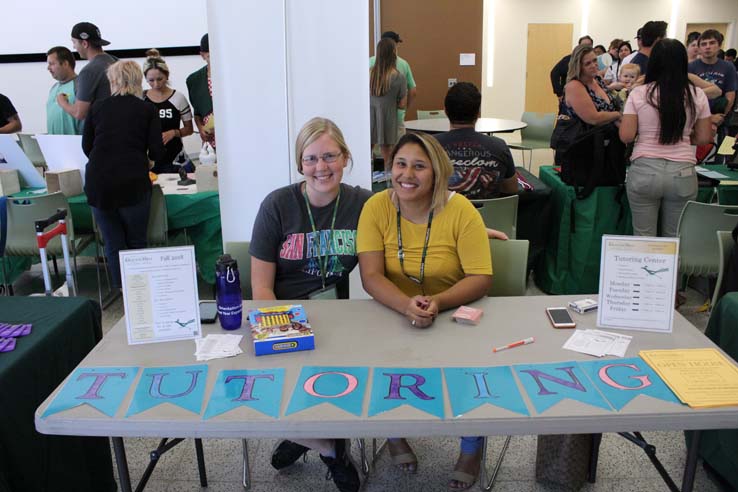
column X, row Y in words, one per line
column 547, row 44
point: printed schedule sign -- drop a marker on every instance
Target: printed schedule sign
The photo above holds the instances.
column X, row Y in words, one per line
column 160, row 294
column 638, row 278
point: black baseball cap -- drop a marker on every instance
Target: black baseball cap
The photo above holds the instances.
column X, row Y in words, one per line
column 87, row 31
column 205, row 44
column 392, row 35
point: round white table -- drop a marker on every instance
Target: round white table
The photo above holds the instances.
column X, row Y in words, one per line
column 484, row 125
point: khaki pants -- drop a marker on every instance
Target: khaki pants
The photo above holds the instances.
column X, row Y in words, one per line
column 659, row 188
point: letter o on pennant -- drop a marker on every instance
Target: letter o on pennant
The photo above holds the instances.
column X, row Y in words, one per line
column 351, row 385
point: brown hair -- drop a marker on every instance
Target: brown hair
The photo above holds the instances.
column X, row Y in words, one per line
column 380, row 76
column 154, row 60
column 439, row 161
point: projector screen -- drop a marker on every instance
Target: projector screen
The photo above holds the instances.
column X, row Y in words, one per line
column 34, row 26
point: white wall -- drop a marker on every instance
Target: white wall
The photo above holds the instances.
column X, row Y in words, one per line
column 34, row 26
column 275, row 65
column 607, row 20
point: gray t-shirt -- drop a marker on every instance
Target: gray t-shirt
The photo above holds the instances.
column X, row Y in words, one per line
column 283, row 235
column 92, row 82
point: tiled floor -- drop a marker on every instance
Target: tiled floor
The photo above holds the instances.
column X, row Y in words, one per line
column 623, row 467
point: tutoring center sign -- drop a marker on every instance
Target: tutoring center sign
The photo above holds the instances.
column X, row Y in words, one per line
column 638, row 278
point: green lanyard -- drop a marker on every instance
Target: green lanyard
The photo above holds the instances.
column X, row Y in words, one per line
column 401, row 252
column 322, row 260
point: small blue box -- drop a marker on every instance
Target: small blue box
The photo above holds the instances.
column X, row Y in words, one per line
column 280, row 329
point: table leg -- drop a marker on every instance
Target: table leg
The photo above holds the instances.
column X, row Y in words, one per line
column 488, row 482
column 120, row 460
column 246, row 468
column 691, row 466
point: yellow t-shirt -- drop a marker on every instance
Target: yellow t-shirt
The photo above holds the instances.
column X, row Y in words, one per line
column 458, row 243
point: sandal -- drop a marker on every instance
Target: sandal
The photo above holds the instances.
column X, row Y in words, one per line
column 460, row 478
column 405, row 458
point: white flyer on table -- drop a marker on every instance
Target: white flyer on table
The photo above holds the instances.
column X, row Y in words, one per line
column 160, row 294
column 638, row 279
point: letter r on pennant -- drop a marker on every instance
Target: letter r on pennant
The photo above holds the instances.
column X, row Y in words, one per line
column 396, row 385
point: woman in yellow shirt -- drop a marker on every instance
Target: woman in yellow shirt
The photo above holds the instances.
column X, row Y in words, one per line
column 422, row 250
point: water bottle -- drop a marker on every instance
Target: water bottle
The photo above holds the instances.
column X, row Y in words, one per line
column 228, row 292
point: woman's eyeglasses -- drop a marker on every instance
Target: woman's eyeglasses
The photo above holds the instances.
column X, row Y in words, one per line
column 328, row 157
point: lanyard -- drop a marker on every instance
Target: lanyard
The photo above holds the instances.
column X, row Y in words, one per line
column 322, row 260
column 401, row 252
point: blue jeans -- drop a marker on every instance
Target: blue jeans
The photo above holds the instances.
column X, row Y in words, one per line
column 122, row 228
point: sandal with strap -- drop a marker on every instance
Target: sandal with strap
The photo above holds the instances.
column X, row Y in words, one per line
column 460, row 478
column 405, row 459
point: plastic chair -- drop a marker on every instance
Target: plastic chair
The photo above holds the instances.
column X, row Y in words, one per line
column 537, row 135
column 433, row 114
column 156, row 235
column 30, row 146
column 239, row 250
column 500, row 213
column 698, row 250
column 725, row 246
column 21, row 238
column 509, row 267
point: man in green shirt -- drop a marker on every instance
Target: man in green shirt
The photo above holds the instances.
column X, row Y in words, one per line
column 404, row 68
column 61, row 67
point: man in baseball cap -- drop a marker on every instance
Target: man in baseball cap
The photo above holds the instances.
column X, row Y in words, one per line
column 92, row 82
column 87, row 31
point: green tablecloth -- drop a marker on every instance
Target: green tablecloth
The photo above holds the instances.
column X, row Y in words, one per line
column 719, row 448
column 64, row 331
column 570, row 263
column 198, row 213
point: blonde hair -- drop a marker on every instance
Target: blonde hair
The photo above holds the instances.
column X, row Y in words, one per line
column 632, row 67
column 575, row 64
column 125, row 79
column 154, row 60
column 439, row 161
column 312, row 131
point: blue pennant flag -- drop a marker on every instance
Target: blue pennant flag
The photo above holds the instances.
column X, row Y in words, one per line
column 258, row 389
column 343, row 387
column 103, row 388
column 393, row 387
column 472, row 387
column 622, row 380
column 183, row 386
column 548, row 384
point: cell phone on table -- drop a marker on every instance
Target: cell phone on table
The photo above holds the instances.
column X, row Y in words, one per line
column 560, row 317
column 208, row 312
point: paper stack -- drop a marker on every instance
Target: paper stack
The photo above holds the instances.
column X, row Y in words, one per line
column 598, row 343
column 701, row 378
column 217, row 347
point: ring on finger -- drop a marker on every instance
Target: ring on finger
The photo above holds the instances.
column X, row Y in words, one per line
column 413, row 322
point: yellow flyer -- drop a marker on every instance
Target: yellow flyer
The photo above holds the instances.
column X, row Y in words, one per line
column 699, row 377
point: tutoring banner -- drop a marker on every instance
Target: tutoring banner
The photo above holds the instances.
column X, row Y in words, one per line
column 183, row 386
column 393, row 387
column 103, row 388
column 257, row 389
column 472, row 387
column 548, row 384
column 343, row 387
column 622, row 380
